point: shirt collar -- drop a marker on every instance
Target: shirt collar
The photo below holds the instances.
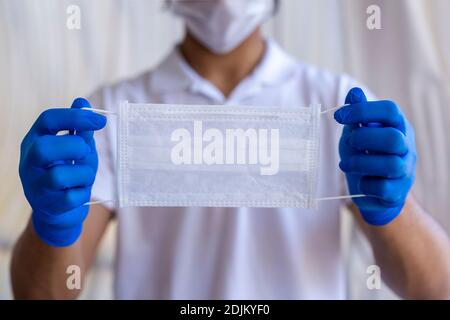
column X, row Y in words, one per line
column 275, row 66
column 174, row 74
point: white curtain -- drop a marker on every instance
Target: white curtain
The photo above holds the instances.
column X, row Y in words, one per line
column 44, row 64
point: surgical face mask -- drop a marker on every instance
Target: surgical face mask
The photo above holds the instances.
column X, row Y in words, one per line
column 222, row 25
column 217, row 156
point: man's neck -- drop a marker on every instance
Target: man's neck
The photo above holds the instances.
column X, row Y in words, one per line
column 224, row 71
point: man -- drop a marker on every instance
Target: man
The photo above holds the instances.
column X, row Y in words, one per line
column 228, row 253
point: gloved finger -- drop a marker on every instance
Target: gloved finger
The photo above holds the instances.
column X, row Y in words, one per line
column 387, row 166
column 68, row 200
column 88, row 136
column 65, row 219
column 385, row 112
column 386, row 140
column 355, row 95
column 62, row 177
column 46, row 150
column 387, row 190
column 368, row 202
column 345, row 149
column 79, row 103
column 52, row 121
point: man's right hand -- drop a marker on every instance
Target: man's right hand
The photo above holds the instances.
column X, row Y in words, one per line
column 58, row 171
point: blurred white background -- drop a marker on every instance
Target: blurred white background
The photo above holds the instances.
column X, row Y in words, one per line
column 44, row 64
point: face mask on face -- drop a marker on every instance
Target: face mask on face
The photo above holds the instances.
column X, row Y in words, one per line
column 222, row 25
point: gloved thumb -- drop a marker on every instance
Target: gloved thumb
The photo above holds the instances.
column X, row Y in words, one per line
column 88, row 136
column 355, row 95
column 79, row 103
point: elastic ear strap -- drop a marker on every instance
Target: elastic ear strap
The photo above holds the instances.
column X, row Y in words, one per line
column 318, row 199
column 342, row 197
column 333, row 109
column 101, row 111
column 98, row 202
column 108, row 113
column 338, row 197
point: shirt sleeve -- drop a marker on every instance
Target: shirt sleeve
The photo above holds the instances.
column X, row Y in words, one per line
column 104, row 188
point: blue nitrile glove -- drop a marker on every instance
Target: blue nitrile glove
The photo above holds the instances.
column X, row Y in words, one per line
column 57, row 171
column 378, row 156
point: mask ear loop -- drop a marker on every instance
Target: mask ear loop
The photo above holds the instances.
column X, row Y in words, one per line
column 338, row 197
column 332, row 109
column 101, row 111
column 98, row 202
column 341, row 197
column 107, row 113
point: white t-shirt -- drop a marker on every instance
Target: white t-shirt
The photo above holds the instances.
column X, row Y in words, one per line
column 230, row 253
